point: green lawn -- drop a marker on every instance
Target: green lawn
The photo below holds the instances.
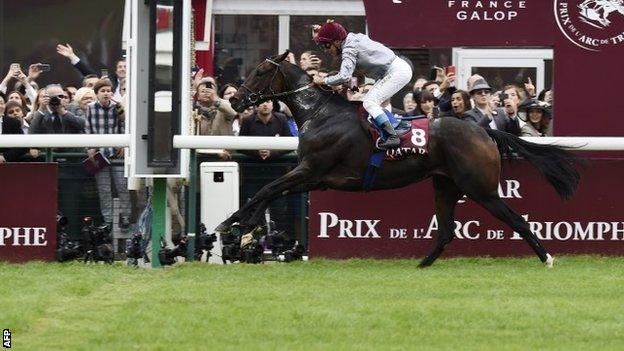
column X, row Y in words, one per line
column 458, row 304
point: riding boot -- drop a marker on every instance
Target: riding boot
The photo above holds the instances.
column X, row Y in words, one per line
column 392, row 141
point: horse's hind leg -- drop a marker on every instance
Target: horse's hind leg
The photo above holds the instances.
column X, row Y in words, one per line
column 446, row 196
column 280, row 187
column 500, row 210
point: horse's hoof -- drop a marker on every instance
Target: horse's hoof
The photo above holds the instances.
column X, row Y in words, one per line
column 549, row 261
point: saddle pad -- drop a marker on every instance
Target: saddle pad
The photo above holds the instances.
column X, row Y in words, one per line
column 413, row 142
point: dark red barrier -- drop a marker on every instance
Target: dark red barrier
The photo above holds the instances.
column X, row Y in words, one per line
column 401, row 223
column 28, row 212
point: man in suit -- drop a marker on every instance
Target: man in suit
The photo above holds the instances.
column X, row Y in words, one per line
column 56, row 119
column 117, row 78
column 9, row 125
column 484, row 116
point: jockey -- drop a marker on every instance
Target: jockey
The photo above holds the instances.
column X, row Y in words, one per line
column 374, row 60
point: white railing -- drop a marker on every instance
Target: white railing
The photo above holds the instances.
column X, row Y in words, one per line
column 290, row 143
column 65, row 140
column 254, row 143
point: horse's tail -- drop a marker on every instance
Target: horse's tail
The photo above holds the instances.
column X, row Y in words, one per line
column 555, row 163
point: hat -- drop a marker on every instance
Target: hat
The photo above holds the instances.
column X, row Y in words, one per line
column 536, row 104
column 330, row 31
column 480, row 84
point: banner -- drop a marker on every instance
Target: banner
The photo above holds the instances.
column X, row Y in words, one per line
column 28, row 213
column 401, row 223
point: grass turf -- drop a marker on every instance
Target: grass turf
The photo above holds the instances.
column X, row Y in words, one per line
column 457, row 304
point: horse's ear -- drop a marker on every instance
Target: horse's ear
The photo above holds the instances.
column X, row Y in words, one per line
column 283, row 56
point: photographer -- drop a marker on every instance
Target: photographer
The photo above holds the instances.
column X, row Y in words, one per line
column 52, row 117
column 216, row 113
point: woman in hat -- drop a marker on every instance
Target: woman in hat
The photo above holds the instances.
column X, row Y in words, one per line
column 371, row 58
column 539, row 120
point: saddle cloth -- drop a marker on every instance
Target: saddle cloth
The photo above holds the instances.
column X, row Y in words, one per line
column 413, row 132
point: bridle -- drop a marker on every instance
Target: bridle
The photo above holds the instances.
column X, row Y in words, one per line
column 254, row 97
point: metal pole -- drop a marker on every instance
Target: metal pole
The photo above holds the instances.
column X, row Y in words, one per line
column 48, row 153
column 191, row 223
column 159, row 204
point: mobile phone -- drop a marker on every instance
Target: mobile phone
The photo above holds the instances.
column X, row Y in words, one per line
column 104, row 73
column 16, row 67
column 451, row 69
column 502, row 97
column 44, row 67
column 433, row 74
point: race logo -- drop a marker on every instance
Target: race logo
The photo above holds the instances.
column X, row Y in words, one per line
column 591, row 24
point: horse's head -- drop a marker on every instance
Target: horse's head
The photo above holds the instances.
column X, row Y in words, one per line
column 262, row 84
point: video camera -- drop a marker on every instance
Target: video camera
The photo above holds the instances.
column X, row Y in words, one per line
column 134, row 250
column 65, row 249
column 99, row 242
column 205, row 242
column 168, row 256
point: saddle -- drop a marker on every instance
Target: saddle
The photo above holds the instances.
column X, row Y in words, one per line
column 412, row 131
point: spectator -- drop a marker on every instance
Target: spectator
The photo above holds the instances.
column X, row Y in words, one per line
column 9, row 126
column 431, row 86
column 83, row 97
column 546, row 96
column 216, row 113
column 17, row 97
column 240, row 117
column 460, row 103
column 446, row 90
column 308, row 60
column 513, row 95
column 52, row 117
column 16, row 111
column 426, row 104
column 420, row 81
column 15, row 73
column 38, row 105
column 103, row 118
column 117, row 79
column 89, row 80
column 484, row 116
column 539, row 119
column 265, row 122
column 409, row 105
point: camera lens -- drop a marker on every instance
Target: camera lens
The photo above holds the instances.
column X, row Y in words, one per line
column 55, row 101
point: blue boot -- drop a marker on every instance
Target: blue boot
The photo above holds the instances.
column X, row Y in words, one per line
column 392, row 139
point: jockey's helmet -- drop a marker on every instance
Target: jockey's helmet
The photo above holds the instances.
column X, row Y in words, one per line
column 331, row 31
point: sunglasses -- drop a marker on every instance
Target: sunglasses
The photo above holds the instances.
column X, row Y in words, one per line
column 482, row 92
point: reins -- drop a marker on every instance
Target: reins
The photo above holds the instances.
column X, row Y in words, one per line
column 254, row 97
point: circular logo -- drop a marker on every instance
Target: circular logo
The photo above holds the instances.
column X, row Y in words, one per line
column 591, row 24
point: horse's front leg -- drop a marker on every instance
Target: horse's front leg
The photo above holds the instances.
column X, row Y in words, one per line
column 270, row 191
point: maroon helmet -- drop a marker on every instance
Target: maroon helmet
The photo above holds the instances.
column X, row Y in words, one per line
column 330, row 31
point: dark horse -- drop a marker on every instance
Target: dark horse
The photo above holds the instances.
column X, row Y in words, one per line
column 335, row 145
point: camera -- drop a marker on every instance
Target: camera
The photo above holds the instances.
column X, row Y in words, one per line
column 66, row 249
column 44, row 67
column 168, row 256
column 134, row 250
column 205, row 242
column 55, row 101
column 242, row 248
column 98, row 242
